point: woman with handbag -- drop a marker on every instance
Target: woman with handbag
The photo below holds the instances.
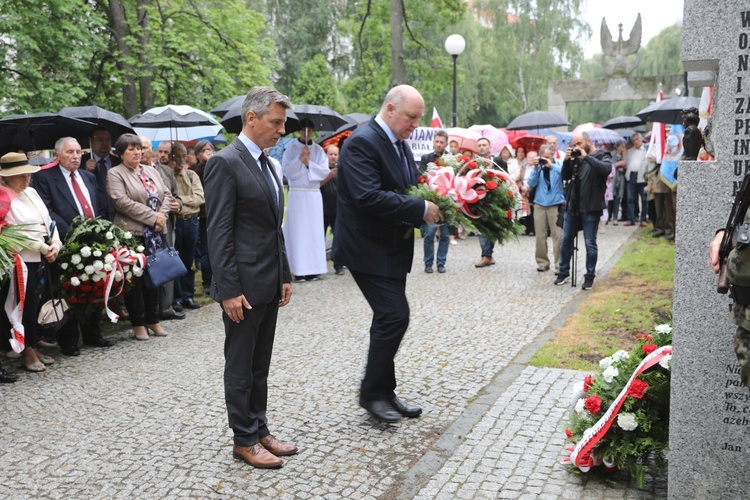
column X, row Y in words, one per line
column 27, row 209
column 142, row 201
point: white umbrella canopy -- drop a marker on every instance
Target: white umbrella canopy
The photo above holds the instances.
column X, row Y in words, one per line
column 175, row 123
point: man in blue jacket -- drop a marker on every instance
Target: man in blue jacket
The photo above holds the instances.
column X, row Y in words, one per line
column 546, row 177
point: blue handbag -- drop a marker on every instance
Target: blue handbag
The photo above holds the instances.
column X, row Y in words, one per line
column 163, row 263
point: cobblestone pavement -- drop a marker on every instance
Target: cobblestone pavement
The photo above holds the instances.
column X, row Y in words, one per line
column 147, row 419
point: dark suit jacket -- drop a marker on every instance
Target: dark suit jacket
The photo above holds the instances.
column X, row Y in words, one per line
column 245, row 241
column 375, row 220
column 54, row 191
column 107, row 210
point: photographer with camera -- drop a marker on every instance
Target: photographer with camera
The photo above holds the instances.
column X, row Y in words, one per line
column 586, row 171
column 546, row 177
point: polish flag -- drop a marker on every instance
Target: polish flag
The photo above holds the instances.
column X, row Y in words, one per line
column 436, row 121
column 658, row 138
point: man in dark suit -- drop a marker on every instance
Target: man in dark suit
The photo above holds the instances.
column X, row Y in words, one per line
column 375, row 237
column 251, row 277
column 99, row 161
column 69, row 191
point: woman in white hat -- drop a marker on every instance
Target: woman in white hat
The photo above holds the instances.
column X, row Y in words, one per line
column 28, row 209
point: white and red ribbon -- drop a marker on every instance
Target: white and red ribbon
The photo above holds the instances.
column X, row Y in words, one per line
column 14, row 304
column 122, row 256
column 580, row 456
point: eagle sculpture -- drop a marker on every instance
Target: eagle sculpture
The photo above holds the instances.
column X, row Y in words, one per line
column 616, row 54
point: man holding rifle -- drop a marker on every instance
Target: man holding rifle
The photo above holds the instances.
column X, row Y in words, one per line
column 729, row 255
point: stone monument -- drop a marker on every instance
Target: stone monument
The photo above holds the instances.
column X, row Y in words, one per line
column 710, row 408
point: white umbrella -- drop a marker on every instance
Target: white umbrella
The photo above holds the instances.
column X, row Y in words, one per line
column 175, row 123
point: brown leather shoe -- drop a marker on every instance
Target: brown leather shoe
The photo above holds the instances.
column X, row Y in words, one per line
column 644, row 223
column 257, row 456
column 485, row 262
column 278, row 448
column 628, row 223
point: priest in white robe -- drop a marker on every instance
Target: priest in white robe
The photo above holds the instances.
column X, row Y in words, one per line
column 304, row 165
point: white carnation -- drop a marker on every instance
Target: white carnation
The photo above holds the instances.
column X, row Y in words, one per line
column 86, row 252
column 137, row 271
column 605, row 362
column 107, row 267
column 580, row 406
column 98, row 265
column 97, row 253
column 666, row 362
column 663, row 328
column 125, row 269
column 620, row 356
column 79, row 266
column 118, row 276
column 128, row 235
column 64, row 266
column 97, row 230
column 84, row 277
column 128, row 276
column 610, row 373
column 626, row 421
column 109, row 258
column 139, row 249
column 96, row 277
column 74, row 281
column 89, row 269
column 109, row 235
column 75, row 259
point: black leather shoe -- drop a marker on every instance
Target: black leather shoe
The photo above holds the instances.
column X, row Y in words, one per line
column 7, row 378
column 177, row 307
column 381, row 410
column 405, row 409
column 98, row 342
column 174, row 315
column 71, row 351
column 190, row 304
column 428, row 268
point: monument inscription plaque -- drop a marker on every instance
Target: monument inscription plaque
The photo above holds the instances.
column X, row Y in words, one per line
column 710, row 408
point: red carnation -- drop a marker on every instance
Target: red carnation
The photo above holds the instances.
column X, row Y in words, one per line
column 568, row 433
column 587, row 382
column 509, row 214
column 638, row 389
column 593, row 404
column 644, row 336
column 471, row 165
column 464, row 159
column 490, row 174
column 491, row 185
column 511, row 195
column 420, row 179
column 649, row 348
column 438, row 162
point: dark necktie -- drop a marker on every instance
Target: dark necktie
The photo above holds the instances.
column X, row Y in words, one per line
column 269, row 179
column 87, row 211
column 404, row 162
column 101, row 173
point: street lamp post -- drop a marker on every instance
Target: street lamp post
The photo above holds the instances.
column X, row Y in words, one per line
column 455, row 45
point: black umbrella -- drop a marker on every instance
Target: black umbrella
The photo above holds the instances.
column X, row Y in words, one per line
column 222, row 109
column 537, row 119
column 232, row 121
column 623, row 122
column 41, row 130
column 627, row 132
column 116, row 124
column 668, row 110
column 323, row 117
column 353, row 120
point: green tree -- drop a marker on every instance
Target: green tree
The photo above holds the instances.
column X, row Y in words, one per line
column 316, row 85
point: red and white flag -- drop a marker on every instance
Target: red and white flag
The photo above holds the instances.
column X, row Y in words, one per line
column 436, row 121
column 658, row 138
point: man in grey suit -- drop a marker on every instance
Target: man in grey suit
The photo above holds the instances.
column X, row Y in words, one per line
column 251, row 278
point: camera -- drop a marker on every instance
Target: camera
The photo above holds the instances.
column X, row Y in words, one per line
column 543, row 162
column 574, row 153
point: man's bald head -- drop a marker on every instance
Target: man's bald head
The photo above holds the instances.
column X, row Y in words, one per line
column 402, row 108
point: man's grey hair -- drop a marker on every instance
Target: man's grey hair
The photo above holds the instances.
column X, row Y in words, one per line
column 61, row 140
column 544, row 148
column 259, row 100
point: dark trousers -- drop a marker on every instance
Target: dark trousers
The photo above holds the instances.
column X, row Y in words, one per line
column 30, row 309
column 206, row 273
column 67, row 336
column 247, row 358
column 330, row 221
column 186, row 235
column 387, row 298
column 142, row 304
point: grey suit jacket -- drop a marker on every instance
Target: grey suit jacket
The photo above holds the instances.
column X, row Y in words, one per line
column 245, row 241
